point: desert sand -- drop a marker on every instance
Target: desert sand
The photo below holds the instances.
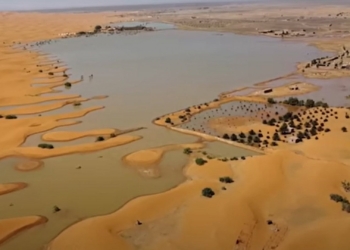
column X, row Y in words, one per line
column 10, row 227
column 279, row 199
column 6, row 188
column 70, row 135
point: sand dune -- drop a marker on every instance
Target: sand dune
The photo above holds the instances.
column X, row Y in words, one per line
column 11, row 227
column 73, row 135
column 269, row 187
column 11, row 187
column 39, row 153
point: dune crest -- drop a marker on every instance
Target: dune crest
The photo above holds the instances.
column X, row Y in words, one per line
column 11, row 227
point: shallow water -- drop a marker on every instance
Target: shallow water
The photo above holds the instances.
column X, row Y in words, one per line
column 145, row 75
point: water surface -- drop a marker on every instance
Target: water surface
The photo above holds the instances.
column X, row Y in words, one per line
column 145, row 75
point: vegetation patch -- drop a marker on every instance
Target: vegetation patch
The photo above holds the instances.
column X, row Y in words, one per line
column 208, row 192
column 188, row 151
column 46, row 146
column 10, row 117
column 100, row 138
column 68, row 84
column 200, row 161
column 226, row 179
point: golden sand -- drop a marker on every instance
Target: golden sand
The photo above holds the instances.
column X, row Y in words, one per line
column 11, row 187
column 73, row 135
column 11, row 227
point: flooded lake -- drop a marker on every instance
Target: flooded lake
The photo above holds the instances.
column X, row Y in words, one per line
column 145, row 75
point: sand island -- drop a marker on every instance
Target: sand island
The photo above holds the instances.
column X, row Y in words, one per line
column 258, row 166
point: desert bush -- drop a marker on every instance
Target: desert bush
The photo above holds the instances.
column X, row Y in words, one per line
column 344, row 129
column 68, row 84
column 226, row 136
column 168, row 120
column 200, row 161
column 100, row 138
column 346, row 186
column 208, row 192
column 10, row 117
column 271, row 100
column 274, row 144
column 242, row 135
column 226, row 179
column 77, row 104
column 234, row 159
column 46, row 146
column 234, row 137
column 252, row 132
column 187, row 151
column 50, row 74
column 339, row 198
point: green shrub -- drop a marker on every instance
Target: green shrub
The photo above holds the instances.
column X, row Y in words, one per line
column 208, row 192
column 187, row 151
column 234, row 137
column 271, row 100
column 226, row 136
column 100, row 138
column 200, row 161
column 10, row 117
column 339, row 198
column 226, row 179
column 346, row 186
column 46, row 146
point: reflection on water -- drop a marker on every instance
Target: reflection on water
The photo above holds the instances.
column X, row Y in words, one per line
column 145, row 75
